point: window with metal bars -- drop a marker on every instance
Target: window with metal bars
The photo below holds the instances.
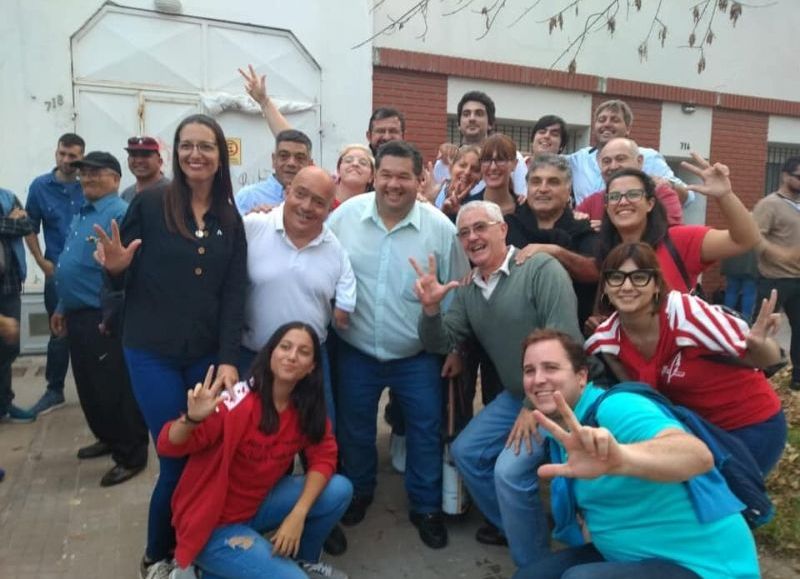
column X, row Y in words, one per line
column 776, row 156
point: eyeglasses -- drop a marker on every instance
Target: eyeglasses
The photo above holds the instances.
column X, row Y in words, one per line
column 350, row 159
column 203, row 147
column 638, row 277
column 632, row 195
column 478, row 228
column 793, row 175
column 501, row 163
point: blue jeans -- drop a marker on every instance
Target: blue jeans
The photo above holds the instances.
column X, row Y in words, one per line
column 159, row 385
column 57, row 346
column 504, row 485
column 226, row 556
column 586, row 562
column 740, row 284
column 417, row 387
column 765, row 440
column 246, row 357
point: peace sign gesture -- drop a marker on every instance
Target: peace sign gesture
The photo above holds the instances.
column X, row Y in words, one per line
column 110, row 252
column 591, row 452
column 427, row 287
column 202, row 400
column 254, row 84
column 766, row 324
column 716, row 177
column 457, row 191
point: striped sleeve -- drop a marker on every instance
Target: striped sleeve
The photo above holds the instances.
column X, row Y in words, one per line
column 606, row 337
column 702, row 325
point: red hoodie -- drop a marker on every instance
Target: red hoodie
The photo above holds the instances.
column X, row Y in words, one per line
column 230, row 457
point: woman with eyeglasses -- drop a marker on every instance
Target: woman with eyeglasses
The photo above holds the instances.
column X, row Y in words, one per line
column 355, row 171
column 633, row 213
column 695, row 354
column 498, row 161
column 180, row 256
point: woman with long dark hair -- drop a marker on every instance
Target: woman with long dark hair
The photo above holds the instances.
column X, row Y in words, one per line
column 180, row 257
column 695, row 354
column 235, row 487
column 633, row 213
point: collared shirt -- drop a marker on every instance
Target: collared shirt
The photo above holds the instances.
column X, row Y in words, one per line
column 53, row 204
column 384, row 323
column 78, row 276
column 487, row 286
column 130, row 192
column 11, row 232
column 265, row 192
column 587, row 178
column 287, row 283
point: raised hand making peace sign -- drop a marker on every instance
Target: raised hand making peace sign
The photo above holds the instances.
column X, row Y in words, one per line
column 591, row 452
column 427, row 287
column 110, row 253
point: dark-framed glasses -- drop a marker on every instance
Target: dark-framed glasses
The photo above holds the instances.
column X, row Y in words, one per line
column 632, row 195
column 638, row 277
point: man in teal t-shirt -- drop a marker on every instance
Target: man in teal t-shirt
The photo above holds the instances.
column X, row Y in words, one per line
column 629, row 473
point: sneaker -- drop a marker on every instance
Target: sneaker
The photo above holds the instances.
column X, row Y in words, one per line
column 50, row 400
column 431, row 528
column 397, row 449
column 17, row 415
column 188, row 573
column 318, row 570
column 157, row 570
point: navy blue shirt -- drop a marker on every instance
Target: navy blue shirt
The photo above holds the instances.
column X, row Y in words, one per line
column 78, row 276
column 53, row 204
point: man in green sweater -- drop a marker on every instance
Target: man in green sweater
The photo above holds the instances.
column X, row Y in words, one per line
column 500, row 305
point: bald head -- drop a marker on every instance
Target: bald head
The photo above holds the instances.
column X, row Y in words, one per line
column 619, row 153
column 308, row 202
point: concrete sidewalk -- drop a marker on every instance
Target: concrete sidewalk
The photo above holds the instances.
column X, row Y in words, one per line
column 57, row 522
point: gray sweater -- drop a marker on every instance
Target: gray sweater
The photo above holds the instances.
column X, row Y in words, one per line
column 536, row 294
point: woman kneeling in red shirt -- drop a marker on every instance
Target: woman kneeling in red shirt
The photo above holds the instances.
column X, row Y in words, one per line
column 692, row 352
column 240, row 446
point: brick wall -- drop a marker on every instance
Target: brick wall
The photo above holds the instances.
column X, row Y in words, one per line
column 422, row 98
column 646, row 119
column 739, row 140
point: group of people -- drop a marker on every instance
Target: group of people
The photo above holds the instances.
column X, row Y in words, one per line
column 244, row 330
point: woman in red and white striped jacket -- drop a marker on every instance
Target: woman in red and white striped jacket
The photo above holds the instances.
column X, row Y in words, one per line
column 692, row 352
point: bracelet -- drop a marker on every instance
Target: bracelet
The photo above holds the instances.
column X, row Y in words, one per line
column 191, row 420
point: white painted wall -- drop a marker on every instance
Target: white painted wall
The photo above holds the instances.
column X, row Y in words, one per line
column 683, row 132
column 35, row 67
column 783, row 130
column 755, row 58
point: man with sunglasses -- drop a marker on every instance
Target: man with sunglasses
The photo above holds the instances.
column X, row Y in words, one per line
column 499, row 451
column 144, row 162
column 101, row 376
column 778, row 219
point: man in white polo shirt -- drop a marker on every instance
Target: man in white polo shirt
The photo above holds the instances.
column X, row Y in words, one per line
column 296, row 267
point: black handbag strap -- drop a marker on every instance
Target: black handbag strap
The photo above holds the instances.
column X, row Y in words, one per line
column 676, row 258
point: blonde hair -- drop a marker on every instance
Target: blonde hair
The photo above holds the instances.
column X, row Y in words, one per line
column 360, row 147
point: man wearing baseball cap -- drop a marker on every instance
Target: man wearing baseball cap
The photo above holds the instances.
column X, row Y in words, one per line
column 98, row 366
column 144, row 161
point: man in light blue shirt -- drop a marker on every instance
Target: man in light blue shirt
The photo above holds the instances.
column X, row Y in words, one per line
column 292, row 153
column 101, row 376
column 613, row 119
column 381, row 347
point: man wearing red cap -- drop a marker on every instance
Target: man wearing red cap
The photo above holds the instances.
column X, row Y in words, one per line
column 144, row 161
